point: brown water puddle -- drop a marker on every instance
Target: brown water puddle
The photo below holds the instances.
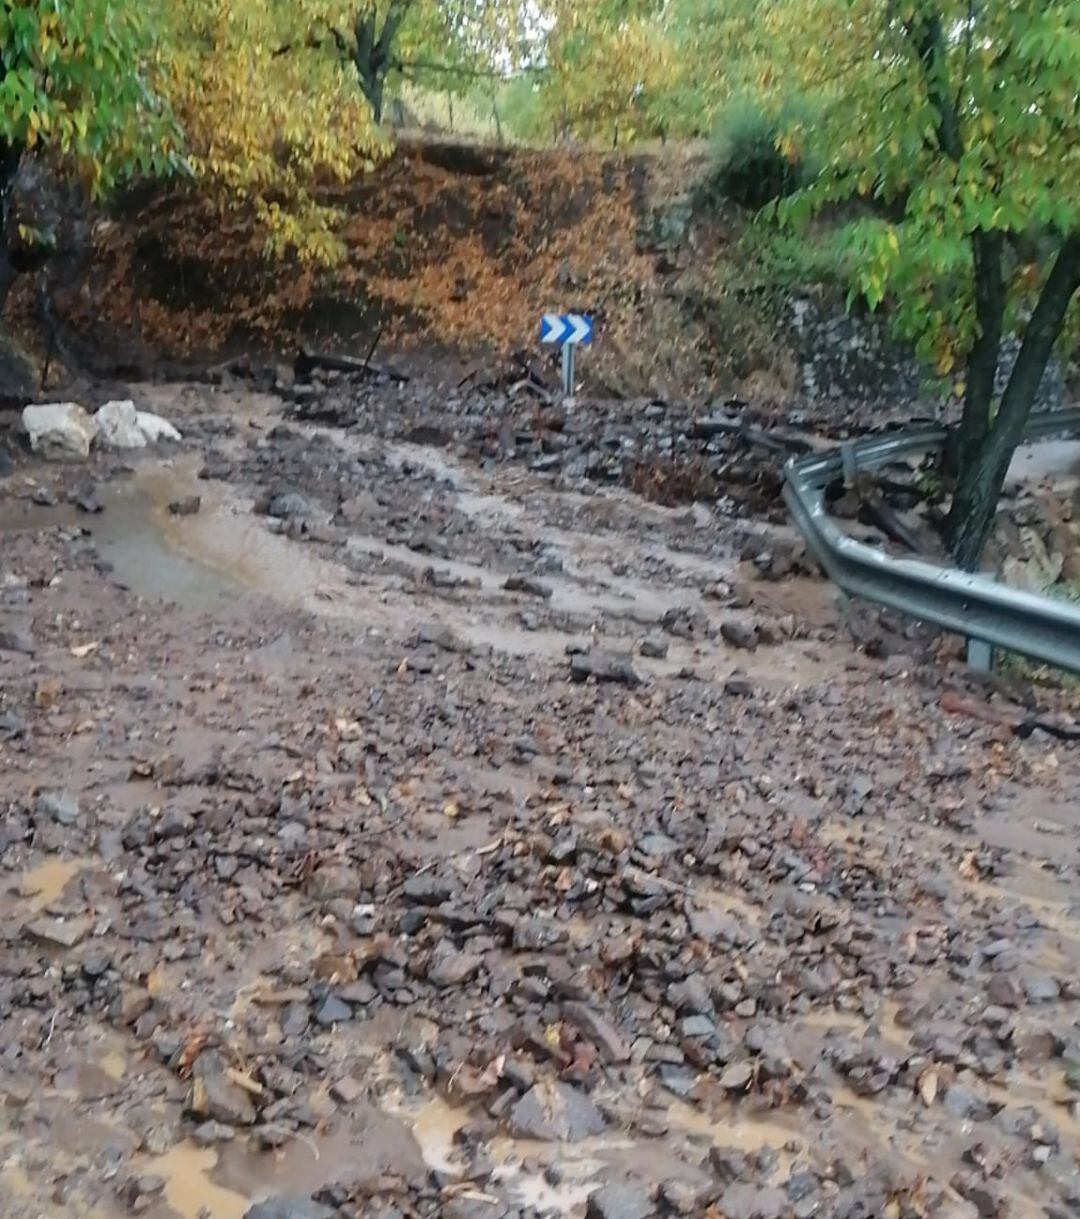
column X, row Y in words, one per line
column 189, row 1191
column 43, row 885
column 138, row 537
column 520, row 1165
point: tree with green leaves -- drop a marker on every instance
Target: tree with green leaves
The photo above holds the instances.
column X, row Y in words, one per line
column 959, row 122
column 447, row 42
column 74, row 85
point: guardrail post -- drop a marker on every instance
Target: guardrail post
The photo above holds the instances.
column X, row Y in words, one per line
column 980, row 655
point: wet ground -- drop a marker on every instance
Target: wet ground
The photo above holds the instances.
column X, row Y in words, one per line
column 422, row 828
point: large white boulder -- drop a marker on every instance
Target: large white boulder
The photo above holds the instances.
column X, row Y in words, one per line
column 118, row 426
column 59, row 429
column 154, row 428
column 123, row 427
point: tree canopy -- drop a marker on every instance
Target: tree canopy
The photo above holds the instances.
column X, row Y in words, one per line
column 945, row 135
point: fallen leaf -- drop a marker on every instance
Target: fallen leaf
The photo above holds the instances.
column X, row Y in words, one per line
column 969, row 868
column 243, row 1080
column 47, row 693
column 928, row 1087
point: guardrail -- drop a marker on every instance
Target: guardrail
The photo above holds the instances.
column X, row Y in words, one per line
column 987, row 613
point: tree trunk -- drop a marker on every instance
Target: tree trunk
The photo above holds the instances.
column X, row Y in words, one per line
column 9, row 166
column 372, row 50
column 979, row 486
column 983, row 362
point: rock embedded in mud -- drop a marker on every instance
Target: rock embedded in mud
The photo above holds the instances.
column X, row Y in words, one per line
column 609, row 1041
column 737, row 1077
column 474, row 1208
column 16, row 639
column 209, row 1134
column 745, row 1201
column 288, row 1206
column 741, row 635
column 64, row 933
column 59, row 806
column 555, row 1113
column 284, row 505
column 189, row 505
column 615, row 667
column 528, row 585
column 155, row 428
column 60, row 430
column 1042, row 989
column 214, row 1098
column 654, row 647
column 621, row 1201
column 332, row 1011
column 449, row 967
column 118, row 426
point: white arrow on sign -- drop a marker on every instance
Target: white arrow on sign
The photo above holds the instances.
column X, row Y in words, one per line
column 567, row 329
column 580, row 328
column 551, row 328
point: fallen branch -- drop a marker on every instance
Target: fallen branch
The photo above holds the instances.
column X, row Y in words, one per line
column 307, row 362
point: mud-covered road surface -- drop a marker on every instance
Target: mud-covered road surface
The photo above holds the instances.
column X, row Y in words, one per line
column 408, row 827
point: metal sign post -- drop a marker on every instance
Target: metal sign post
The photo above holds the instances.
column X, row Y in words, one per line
column 568, row 369
column 568, row 330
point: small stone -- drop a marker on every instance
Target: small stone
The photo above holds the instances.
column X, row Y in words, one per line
column 1042, row 990
column 607, row 1038
column 347, row 1090
column 448, row 967
column 65, row 933
column 604, row 667
column 16, row 639
column 740, row 635
column 1004, row 991
column 744, row 1201
column 528, row 585
column 654, row 646
column 214, row 1097
column 60, row 806
column 427, row 890
column 556, row 1112
column 332, row 1011
column 288, row 1207
column 210, row 1133
column 620, row 1202
column 189, row 505
column 737, row 1076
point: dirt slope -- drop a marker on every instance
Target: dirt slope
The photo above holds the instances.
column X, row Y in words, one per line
column 449, row 248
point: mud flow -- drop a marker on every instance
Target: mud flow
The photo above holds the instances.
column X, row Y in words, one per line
column 397, row 822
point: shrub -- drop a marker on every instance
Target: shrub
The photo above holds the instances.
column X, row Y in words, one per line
column 750, row 165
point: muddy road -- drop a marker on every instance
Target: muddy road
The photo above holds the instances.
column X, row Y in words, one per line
column 397, row 821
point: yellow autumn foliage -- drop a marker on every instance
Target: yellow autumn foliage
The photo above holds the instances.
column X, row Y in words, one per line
column 270, row 110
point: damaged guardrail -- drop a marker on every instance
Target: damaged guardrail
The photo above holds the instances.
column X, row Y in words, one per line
column 989, row 614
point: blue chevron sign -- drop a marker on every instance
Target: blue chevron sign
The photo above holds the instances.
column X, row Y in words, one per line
column 563, row 328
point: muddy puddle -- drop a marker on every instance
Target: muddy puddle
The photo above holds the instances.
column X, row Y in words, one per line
column 556, row 1178
column 189, row 1190
column 44, row 884
column 135, row 534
